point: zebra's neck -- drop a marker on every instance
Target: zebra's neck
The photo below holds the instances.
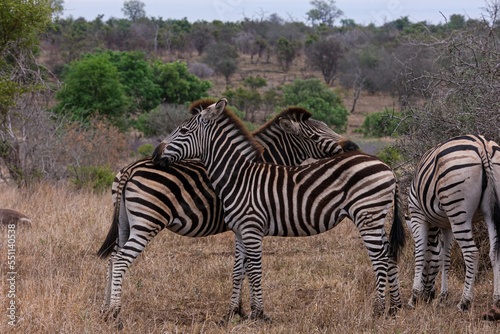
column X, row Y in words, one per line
column 278, row 148
column 230, row 150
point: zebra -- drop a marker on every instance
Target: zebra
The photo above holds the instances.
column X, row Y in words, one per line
column 149, row 198
column 456, row 184
column 263, row 199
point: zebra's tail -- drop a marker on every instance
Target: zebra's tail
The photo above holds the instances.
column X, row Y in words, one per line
column 112, row 237
column 492, row 185
column 397, row 236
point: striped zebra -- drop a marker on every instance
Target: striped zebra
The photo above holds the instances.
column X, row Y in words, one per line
column 456, row 184
column 263, row 199
column 149, row 198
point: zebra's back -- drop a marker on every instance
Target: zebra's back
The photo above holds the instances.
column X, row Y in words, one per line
column 311, row 199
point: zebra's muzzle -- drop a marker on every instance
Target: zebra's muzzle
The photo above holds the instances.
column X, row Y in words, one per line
column 158, row 154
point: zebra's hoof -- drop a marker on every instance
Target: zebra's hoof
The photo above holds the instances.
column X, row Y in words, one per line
column 443, row 297
column 464, row 305
column 394, row 309
column 233, row 317
column 260, row 315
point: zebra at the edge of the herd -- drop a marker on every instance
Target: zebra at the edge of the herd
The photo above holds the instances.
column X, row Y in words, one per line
column 456, row 184
column 149, row 198
column 262, row 199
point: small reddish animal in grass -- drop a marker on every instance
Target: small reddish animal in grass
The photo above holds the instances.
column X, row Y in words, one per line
column 8, row 216
column 492, row 315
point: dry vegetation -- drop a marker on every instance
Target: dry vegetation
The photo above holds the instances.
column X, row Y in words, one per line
column 321, row 284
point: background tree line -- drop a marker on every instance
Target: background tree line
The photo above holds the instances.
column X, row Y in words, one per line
column 65, row 81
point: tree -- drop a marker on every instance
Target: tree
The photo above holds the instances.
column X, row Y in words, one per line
column 324, row 54
column 324, row 104
column 222, row 57
column 134, row 9
column 201, row 36
column 286, row 52
column 177, row 84
column 92, row 85
column 24, row 128
column 324, row 12
column 136, row 76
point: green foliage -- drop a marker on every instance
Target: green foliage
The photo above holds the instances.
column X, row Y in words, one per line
column 137, row 79
column 96, row 178
column 286, row 52
column 146, row 150
column 247, row 100
column 177, row 84
column 322, row 102
column 254, row 82
column 389, row 155
column 383, row 123
column 93, row 85
column 22, row 23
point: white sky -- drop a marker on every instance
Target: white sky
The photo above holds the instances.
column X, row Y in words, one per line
column 362, row 11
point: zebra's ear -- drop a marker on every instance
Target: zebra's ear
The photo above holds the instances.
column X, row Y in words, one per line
column 289, row 126
column 214, row 110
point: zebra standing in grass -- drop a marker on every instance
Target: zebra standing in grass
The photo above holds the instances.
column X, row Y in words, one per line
column 180, row 198
column 262, row 199
column 456, row 184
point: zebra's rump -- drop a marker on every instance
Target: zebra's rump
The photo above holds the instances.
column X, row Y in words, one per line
column 178, row 197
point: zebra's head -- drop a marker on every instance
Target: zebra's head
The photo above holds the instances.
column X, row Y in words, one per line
column 185, row 141
column 292, row 130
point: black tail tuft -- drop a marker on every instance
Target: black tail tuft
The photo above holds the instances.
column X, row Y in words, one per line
column 496, row 221
column 397, row 237
column 109, row 244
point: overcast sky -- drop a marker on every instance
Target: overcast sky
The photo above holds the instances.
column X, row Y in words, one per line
column 362, row 11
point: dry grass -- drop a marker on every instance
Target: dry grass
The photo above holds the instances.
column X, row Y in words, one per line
column 321, row 284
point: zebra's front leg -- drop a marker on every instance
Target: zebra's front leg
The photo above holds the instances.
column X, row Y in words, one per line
column 236, row 304
column 252, row 241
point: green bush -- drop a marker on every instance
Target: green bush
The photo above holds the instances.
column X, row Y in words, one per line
column 383, row 123
column 146, row 150
column 96, row 178
column 389, row 155
column 321, row 101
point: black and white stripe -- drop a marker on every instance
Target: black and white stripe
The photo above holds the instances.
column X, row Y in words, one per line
column 262, row 199
column 149, row 198
column 456, row 184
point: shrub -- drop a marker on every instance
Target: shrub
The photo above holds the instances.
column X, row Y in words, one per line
column 322, row 102
column 383, row 123
column 95, row 178
column 161, row 120
column 146, row 150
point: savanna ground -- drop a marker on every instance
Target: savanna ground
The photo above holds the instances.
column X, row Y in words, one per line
column 321, row 284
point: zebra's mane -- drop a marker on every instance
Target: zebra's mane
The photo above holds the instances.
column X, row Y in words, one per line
column 198, row 106
column 296, row 113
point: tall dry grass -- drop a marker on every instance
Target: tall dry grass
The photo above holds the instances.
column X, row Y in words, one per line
column 321, row 284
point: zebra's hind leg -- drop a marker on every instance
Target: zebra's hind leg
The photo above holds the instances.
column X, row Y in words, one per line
column 447, row 236
column 432, row 264
column 377, row 245
column 120, row 261
column 420, row 231
column 463, row 235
